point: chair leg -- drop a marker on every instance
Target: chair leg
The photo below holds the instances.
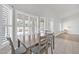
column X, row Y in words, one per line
column 29, row 51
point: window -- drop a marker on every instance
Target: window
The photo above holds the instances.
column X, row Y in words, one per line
column 19, row 26
column 42, row 25
column 29, row 25
column 5, row 22
column 26, row 25
column 23, row 26
column 36, row 24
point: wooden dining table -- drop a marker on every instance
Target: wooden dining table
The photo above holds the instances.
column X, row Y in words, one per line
column 34, row 43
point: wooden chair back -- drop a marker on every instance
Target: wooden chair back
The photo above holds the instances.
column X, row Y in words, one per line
column 11, row 44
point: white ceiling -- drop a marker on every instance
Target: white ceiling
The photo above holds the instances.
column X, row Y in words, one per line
column 49, row 10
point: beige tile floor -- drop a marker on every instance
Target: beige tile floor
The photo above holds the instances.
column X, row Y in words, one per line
column 64, row 44
column 67, row 44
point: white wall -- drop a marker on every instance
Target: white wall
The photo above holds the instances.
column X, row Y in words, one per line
column 51, row 25
column 56, row 25
column 72, row 24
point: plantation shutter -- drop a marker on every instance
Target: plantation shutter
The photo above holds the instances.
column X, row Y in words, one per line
column 3, row 22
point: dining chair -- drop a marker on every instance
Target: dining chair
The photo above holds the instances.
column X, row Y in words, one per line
column 42, row 47
column 51, row 41
column 20, row 50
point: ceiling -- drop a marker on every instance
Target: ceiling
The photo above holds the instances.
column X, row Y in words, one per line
column 49, row 10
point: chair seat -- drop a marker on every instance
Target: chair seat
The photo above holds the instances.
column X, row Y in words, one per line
column 35, row 49
column 20, row 50
column 49, row 44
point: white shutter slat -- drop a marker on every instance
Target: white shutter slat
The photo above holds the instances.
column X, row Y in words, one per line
column 3, row 22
